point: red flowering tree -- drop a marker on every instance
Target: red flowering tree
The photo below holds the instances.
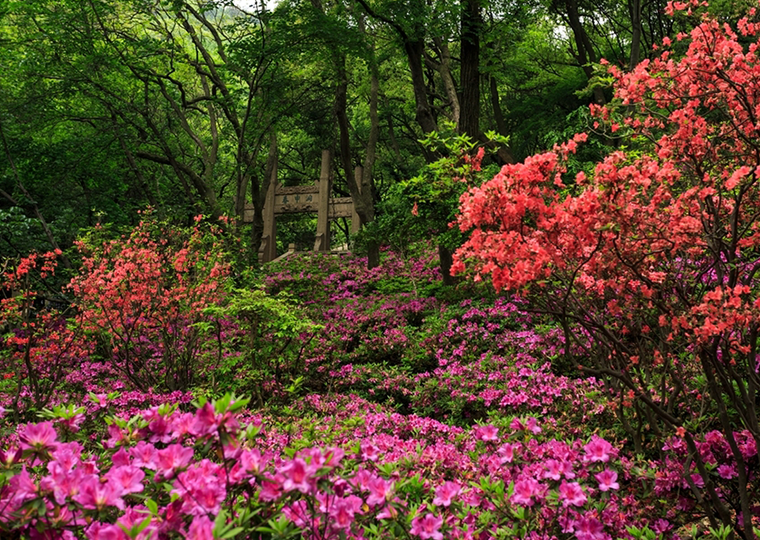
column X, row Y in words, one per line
column 650, row 265
column 145, row 296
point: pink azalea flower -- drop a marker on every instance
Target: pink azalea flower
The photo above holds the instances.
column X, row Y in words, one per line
column 96, row 495
column 73, row 423
column 361, row 479
column 144, row 455
column 727, row 471
column 172, row 458
column 427, row 527
column 202, row 528
column 251, row 460
column 589, row 528
column 120, row 458
column 607, row 480
column 105, row 531
column 488, row 433
column 598, row 450
column 378, row 490
column 67, row 455
column 38, row 437
column 64, row 483
column 134, row 515
column 553, row 469
column 160, row 429
column 388, row 512
column 332, row 457
column 22, row 487
column 445, row 492
column 369, row 452
column 343, row 510
column 298, row 475
column 127, row 478
column 271, row 488
column 571, row 493
column 11, row 456
column 524, row 491
column 116, row 436
column 532, row 425
column 182, row 425
column 208, row 422
column 205, row 420
column 661, row 526
column 507, row 453
column 202, row 488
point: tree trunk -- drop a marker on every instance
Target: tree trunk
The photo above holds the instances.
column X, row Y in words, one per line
column 424, row 115
column 446, row 259
column 367, row 187
column 259, row 195
column 472, row 24
column 504, row 152
column 634, row 6
column 444, row 70
column 585, row 49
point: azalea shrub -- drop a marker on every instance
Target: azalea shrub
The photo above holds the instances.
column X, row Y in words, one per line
column 649, row 264
column 218, row 472
column 143, row 297
column 39, row 343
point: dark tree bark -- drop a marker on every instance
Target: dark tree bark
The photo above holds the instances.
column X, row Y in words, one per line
column 584, row 52
column 472, row 25
column 634, row 6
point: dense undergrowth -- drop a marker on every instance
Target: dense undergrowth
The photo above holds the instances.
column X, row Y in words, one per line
column 382, row 405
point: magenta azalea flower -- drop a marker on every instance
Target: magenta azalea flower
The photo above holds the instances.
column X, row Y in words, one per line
column 202, row 528
column 96, row 495
column 727, row 471
column 427, row 527
column 342, row 512
column 378, row 490
column 446, row 492
column 507, row 453
column 38, row 437
column 172, row 458
column 298, row 475
column 127, row 478
column 488, row 433
column 271, row 488
column 589, row 528
column 607, row 480
column 524, row 491
column 598, row 450
column 571, row 493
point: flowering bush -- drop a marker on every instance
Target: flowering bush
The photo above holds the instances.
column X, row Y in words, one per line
column 144, row 296
column 212, row 473
column 650, row 264
column 38, row 345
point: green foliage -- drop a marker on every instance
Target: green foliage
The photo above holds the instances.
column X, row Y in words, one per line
column 264, row 348
column 422, row 207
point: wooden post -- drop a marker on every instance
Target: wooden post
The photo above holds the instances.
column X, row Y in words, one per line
column 322, row 242
column 268, row 249
column 355, row 221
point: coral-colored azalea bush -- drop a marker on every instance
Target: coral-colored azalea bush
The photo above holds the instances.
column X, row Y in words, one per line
column 144, row 295
column 38, row 346
column 650, row 263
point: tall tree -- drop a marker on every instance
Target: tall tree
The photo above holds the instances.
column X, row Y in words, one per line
column 194, row 87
